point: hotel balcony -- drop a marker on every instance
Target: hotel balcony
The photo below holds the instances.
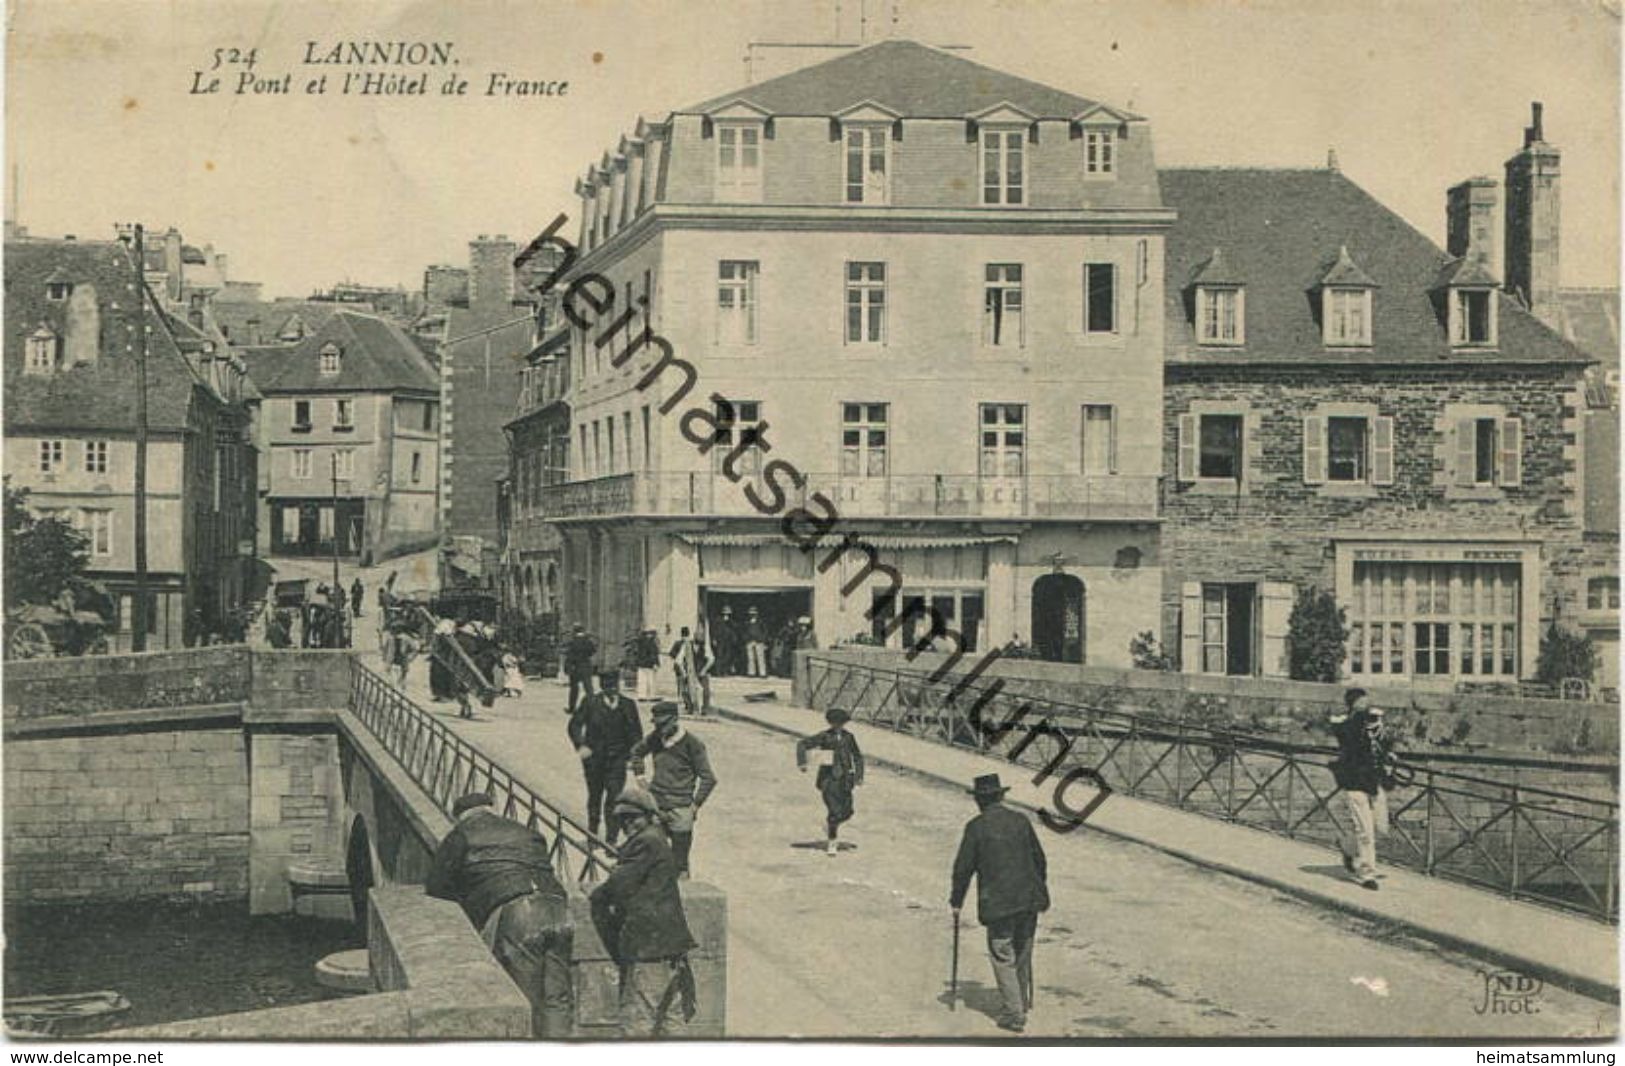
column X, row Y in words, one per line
column 1050, row 497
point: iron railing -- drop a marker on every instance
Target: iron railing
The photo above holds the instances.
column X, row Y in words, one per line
column 1554, row 847
column 446, row 766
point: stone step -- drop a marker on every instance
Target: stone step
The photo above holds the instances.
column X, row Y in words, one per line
column 346, row 971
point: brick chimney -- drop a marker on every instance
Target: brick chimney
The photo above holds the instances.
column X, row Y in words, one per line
column 1532, row 223
column 490, row 272
column 1470, row 221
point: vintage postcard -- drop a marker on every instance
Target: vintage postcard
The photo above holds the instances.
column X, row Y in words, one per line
column 1016, row 521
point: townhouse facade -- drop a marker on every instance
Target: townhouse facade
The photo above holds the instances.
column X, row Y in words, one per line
column 539, row 450
column 931, row 288
column 73, row 309
column 1351, row 407
column 350, row 423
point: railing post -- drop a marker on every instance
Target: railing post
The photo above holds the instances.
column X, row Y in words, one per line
column 1429, row 853
column 1230, row 788
column 1513, row 888
column 1611, row 858
column 1179, row 767
column 1291, row 772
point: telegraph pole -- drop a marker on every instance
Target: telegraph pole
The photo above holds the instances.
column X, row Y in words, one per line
column 335, row 458
column 138, row 624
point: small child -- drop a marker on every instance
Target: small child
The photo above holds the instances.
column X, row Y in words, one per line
column 513, row 682
column 839, row 775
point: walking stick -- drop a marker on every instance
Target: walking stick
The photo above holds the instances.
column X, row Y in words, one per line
column 953, row 971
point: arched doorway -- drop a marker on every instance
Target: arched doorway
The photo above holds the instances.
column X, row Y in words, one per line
column 1057, row 617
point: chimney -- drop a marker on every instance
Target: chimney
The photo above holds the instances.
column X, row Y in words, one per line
column 490, row 272
column 1470, row 221
column 172, row 262
column 1532, row 222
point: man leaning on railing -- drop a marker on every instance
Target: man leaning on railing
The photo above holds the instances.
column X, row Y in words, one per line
column 1364, row 770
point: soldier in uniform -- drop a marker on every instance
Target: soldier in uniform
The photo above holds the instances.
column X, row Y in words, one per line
column 604, row 729
column 839, row 772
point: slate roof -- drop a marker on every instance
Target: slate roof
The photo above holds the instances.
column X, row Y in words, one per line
column 378, row 356
column 100, row 396
column 1591, row 320
column 233, row 317
column 909, row 78
column 1277, row 230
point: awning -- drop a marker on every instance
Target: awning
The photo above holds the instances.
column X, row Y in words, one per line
column 830, row 541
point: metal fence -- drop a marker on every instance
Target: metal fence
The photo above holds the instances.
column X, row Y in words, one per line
column 1554, row 847
column 446, row 766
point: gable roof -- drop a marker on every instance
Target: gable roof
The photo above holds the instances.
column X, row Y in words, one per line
column 910, row 79
column 98, row 396
column 378, row 356
column 270, row 317
column 1277, row 230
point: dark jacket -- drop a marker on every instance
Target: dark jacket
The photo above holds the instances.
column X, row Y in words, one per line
column 1001, row 849
column 487, row 860
column 609, row 730
column 682, row 774
column 847, row 766
column 1364, row 755
column 647, row 651
column 638, row 911
column 579, row 652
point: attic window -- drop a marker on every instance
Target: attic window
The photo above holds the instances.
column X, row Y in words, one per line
column 1472, row 317
column 58, row 290
column 1346, row 314
column 1221, row 314
column 42, row 349
column 739, row 161
column 1100, row 151
column 330, row 360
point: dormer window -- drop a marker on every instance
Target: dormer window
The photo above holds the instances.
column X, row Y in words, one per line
column 1221, row 314
column 1472, row 317
column 1100, row 152
column 866, row 170
column 58, row 291
column 739, row 161
column 1347, row 316
column 1004, row 174
column 329, row 360
column 42, row 348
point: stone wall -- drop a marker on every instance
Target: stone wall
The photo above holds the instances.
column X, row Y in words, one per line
column 82, row 686
column 294, row 805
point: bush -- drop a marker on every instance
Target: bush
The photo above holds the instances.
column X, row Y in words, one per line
column 1148, row 653
column 1565, row 654
column 1317, row 636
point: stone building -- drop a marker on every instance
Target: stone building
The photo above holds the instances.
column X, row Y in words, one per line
column 72, row 312
column 933, row 289
column 1351, row 407
column 351, row 427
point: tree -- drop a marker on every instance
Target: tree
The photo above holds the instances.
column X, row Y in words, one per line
column 44, row 556
column 1148, row 652
column 1317, row 636
column 1565, row 654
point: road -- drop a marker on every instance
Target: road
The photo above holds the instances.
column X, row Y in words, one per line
column 1137, row 944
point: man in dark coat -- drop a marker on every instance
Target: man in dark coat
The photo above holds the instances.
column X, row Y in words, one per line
column 727, row 642
column 499, row 872
column 1001, row 850
column 1364, row 774
column 638, row 913
column 579, row 653
column 840, row 770
column 682, row 777
column 603, row 729
column 358, row 592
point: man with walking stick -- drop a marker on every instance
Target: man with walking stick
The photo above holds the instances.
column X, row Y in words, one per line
column 1001, row 850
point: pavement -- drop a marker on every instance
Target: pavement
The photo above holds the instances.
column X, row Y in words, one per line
column 1142, row 942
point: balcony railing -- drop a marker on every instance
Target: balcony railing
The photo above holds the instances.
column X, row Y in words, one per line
column 1048, row 496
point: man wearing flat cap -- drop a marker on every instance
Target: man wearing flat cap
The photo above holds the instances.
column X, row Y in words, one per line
column 603, row 730
column 682, row 777
column 638, row 913
column 500, row 873
column 840, row 770
column 1001, row 850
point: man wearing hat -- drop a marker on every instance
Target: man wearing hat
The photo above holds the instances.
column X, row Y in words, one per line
column 1364, row 775
column 840, row 770
column 682, row 777
column 603, row 730
column 638, row 913
column 1001, row 850
column 579, row 653
column 500, row 873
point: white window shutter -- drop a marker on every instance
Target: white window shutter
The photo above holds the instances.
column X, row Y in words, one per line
column 1189, row 437
column 1190, row 627
column 1314, row 449
column 1275, row 600
column 1466, row 451
column 1382, row 450
column 1511, row 448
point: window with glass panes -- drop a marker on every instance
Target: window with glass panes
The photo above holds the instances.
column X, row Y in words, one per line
column 866, row 165
column 1602, row 594
column 50, row 456
column 736, row 301
column 1003, row 176
column 95, row 457
column 1099, row 298
column 1430, row 619
column 1002, row 305
column 739, row 161
column 738, row 422
column 1218, row 315
column 1004, row 440
column 1214, row 622
column 865, row 303
column 1098, row 149
column 1348, row 316
column 922, row 611
column 865, row 440
column 1346, row 449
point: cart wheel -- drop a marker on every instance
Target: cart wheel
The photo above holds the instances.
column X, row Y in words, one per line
column 29, row 641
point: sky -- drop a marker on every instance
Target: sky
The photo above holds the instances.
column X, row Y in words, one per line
column 303, row 191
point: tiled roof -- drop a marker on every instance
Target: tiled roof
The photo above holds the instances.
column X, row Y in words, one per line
column 1346, row 273
column 99, row 396
column 908, row 78
column 270, row 316
column 1591, row 320
column 1277, row 230
column 377, row 356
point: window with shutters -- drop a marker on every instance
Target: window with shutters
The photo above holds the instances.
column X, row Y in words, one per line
column 1484, row 449
column 1212, row 452
column 1346, row 445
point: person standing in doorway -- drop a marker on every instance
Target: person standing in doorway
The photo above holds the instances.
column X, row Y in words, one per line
column 840, row 770
column 727, row 643
column 1001, row 850
column 580, row 652
column 755, row 644
column 604, row 729
column 682, row 778
column 647, row 661
column 1364, row 774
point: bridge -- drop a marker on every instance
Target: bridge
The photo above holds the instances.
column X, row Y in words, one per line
column 1171, row 918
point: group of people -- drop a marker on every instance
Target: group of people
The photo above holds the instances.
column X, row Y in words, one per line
column 748, row 647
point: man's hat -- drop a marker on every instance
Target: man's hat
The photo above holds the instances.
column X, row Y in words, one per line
column 804, row 620
column 836, row 716
column 634, row 800
column 469, row 802
column 664, row 710
column 607, row 676
column 988, row 786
